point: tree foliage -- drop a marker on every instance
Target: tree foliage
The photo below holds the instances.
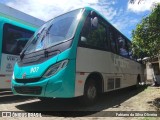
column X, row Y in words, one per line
column 146, row 36
column 133, row 1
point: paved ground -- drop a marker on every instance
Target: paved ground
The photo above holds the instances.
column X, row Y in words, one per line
column 141, row 99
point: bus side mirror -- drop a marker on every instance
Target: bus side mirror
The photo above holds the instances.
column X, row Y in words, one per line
column 94, row 19
column 94, row 22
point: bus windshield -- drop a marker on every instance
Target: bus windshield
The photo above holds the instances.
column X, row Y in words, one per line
column 54, row 31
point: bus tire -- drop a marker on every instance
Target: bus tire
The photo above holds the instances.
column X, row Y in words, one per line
column 138, row 81
column 90, row 92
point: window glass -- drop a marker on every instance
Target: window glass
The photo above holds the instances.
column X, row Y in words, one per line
column 14, row 39
column 93, row 37
column 112, row 40
column 122, row 46
column 55, row 31
column 130, row 49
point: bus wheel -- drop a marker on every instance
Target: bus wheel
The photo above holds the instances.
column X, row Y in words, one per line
column 138, row 81
column 90, row 92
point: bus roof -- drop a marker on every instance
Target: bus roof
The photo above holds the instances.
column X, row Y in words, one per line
column 4, row 20
column 13, row 14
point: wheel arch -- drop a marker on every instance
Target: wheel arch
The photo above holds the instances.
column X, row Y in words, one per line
column 98, row 77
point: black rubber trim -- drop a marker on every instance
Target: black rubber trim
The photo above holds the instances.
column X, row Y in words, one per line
column 34, row 90
column 43, row 55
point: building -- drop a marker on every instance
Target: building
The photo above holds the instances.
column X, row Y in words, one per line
column 152, row 68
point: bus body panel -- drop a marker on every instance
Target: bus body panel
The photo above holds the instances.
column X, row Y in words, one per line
column 62, row 84
column 34, row 71
column 17, row 18
column 7, row 60
column 90, row 60
column 110, row 65
column 5, row 81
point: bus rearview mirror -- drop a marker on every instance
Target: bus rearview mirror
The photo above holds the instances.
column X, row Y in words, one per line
column 94, row 22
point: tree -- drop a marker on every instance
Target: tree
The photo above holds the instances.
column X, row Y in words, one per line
column 133, row 1
column 146, row 36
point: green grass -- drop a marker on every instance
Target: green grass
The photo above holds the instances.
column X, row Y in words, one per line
column 150, row 118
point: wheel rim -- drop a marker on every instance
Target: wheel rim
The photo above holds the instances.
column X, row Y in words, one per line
column 92, row 92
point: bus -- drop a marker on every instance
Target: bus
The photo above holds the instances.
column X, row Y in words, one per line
column 15, row 30
column 78, row 53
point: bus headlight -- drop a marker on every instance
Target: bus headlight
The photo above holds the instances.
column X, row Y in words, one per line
column 13, row 77
column 55, row 68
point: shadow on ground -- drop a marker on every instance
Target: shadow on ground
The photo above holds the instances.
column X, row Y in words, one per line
column 72, row 108
column 156, row 103
column 6, row 96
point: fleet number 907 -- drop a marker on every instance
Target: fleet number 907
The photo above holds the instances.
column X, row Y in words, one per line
column 34, row 69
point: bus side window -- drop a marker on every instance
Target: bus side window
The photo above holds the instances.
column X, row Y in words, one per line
column 93, row 37
column 130, row 50
column 11, row 43
column 14, row 39
column 21, row 43
column 122, row 45
column 112, row 40
column 85, row 31
column 107, row 37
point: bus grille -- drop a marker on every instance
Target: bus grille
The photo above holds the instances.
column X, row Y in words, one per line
column 36, row 90
column 27, row 80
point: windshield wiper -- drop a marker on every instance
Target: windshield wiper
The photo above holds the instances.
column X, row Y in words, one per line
column 37, row 36
column 46, row 32
column 24, row 50
column 33, row 42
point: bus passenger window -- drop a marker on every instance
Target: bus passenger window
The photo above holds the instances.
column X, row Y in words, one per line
column 113, row 42
column 122, row 46
column 130, row 52
column 14, row 39
column 11, row 44
column 93, row 37
column 21, row 43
